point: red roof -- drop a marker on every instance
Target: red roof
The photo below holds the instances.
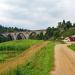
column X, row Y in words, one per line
column 72, row 38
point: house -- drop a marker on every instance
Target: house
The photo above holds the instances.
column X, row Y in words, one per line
column 67, row 39
column 70, row 39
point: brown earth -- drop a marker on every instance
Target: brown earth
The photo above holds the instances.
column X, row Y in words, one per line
column 22, row 58
column 64, row 61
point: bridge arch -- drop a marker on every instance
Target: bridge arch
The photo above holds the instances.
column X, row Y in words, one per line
column 10, row 37
column 32, row 35
column 20, row 36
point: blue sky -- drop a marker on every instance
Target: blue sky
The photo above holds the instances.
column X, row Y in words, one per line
column 36, row 14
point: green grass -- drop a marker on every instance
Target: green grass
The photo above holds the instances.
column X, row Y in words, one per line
column 40, row 64
column 72, row 47
column 17, row 45
column 13, row 48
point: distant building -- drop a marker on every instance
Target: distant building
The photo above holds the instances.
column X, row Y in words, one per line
column 67, row 39
column 70, row 39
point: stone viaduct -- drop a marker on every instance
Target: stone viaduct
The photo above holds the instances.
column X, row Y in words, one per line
column 22, row 35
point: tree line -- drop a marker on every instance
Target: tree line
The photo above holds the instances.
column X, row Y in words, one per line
column 63, row 29
column 10, row 29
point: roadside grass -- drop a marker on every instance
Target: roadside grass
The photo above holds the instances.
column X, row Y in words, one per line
column 13, row 48
column 40, row 64
column 72, row 47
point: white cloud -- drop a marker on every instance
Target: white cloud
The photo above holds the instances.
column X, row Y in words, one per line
column 4, row 7
column 36, row 14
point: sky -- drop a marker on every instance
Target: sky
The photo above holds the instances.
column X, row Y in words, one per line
column 36, row 14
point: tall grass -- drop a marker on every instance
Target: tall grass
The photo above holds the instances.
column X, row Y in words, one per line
column 40, row 64
column 17, row 45
column 13, row 48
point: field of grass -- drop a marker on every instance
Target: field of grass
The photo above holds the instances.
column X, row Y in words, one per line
column 40, row 64
column 13, row 48
column 72, row 47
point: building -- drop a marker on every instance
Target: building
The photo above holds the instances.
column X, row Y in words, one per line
column 70, row 39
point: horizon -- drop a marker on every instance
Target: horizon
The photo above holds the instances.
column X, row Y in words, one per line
column 35, row 14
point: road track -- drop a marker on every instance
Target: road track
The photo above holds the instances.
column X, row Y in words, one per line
column 64, row 60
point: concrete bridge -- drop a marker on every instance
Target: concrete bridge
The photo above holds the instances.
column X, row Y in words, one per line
column 22, row 35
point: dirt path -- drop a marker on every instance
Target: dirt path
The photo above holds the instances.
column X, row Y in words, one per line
column 64, row 61
column 22, row 58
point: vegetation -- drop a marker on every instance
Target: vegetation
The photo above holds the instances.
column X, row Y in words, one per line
column 13, row 48
column 64, row 29
column 40, row 64
column 43, row 61
column 3, row 38
column 72, row 47
column 10, row 29
column 40, row 36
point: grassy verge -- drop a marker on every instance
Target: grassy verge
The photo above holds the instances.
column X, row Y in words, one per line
column 13, row 48
column 40, row 64
column 72, row 47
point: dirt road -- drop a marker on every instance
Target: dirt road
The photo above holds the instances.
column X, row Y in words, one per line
column 64, row 61
column 22, row 58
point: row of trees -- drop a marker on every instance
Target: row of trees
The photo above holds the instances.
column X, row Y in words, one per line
column 51, row 33
column 10, row 29
column 66, row 28
column 63, row 30
column 65, row 25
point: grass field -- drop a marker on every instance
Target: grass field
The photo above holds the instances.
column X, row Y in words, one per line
column 72, row 47
column 40, row 64
column 13, row 48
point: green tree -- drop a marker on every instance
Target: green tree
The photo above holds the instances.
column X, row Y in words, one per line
column 49, row 32
column 68, row 24
column 40, row 36
column 73, row 24
column 59, row 25
column 56, row 35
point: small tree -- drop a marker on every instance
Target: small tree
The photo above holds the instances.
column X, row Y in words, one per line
column 40, row 36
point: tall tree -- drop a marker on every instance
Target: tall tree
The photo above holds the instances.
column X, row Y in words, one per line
column 68, row 24
column 73, row 24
